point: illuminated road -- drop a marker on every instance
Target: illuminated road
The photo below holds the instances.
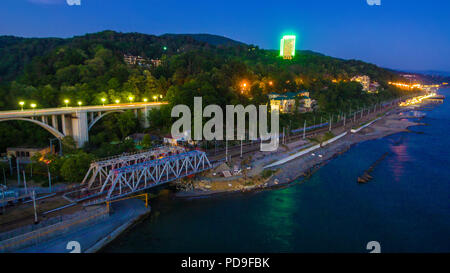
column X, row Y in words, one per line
column 68, row 110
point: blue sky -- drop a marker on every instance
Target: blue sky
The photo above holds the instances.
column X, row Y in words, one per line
column 399, row 34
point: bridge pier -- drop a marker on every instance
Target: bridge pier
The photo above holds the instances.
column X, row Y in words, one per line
column 80, row 128
column 55, row 122
column 145, row 122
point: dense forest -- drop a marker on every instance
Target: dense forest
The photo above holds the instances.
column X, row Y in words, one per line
column 46, row 71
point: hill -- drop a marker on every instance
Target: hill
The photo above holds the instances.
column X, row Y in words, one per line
column 215, row 40
column 87, row 67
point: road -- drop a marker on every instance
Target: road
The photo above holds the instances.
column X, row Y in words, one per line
column 68, row 110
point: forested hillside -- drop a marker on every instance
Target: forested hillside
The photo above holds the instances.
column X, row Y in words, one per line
column 87, row 68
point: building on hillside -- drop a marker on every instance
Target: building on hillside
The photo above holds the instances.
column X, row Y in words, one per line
column 155, row 62
column 138, row 60
column 364, row 81
column 132, row 60
column 287, row 47
column 286, row 103
column 373, row 87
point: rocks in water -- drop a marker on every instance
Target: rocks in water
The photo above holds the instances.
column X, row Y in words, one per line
column 366, row 177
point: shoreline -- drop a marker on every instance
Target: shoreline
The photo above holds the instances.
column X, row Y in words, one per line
column 392, row 122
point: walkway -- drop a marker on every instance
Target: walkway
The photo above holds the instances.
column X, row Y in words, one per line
column 124, row 212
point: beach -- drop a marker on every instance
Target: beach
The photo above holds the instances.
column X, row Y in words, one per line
column 393, row 121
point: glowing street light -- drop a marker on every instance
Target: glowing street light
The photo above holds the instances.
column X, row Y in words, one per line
column 103, row 101
column 21, row 103
column 33, row 105
column 66, row 102
column 145, row 99
column 160, row 96
column 155, row 98
column 117, row 101
column 79, row 103
column 130, row 98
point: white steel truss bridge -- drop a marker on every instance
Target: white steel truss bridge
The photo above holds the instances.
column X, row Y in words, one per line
column 133, row 178
column 99, row 170
column 137, row 177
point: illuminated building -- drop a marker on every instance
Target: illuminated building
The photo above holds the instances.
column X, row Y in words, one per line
column 286, row 103
column 287, row 46
column 364, row 81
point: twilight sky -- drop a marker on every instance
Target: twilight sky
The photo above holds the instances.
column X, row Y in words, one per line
column 399, row 34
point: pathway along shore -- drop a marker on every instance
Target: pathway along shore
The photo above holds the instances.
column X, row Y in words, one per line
column 391, row 123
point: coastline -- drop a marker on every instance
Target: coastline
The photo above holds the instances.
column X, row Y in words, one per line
column 392, row 122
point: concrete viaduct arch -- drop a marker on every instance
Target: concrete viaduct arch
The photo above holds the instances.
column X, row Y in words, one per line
column 76, row 121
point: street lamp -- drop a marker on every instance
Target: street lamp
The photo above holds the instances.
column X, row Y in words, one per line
column 155, row 98
column 130, row 98
column 33, row 105
column 117, row 101
column 66, row 102
column 103, row 101
column 160, row 96
column 21, row 103
column 145, row 99
column 79, row 103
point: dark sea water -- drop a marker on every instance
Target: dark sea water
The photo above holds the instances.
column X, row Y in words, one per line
column 406, row 207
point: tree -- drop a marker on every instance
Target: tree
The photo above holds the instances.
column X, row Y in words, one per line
column 68, row 144
column 126, row 122
column 147, row 141
column 75, row 166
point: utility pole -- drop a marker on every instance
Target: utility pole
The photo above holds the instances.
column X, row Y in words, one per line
column 49, row 178
column 34, row 205
column 226, row 150
column 330, row 125
column 25, row 182
column 241, row 148
column 304, row 130
column 10, row 166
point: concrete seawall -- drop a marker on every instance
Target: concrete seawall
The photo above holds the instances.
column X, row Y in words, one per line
column 306, row 151
column 92, row 238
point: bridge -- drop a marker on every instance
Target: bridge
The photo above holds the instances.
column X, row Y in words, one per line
column 116, row 177
column 76, row 121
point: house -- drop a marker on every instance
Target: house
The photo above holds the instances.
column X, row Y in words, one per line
column 24, row 154
column 286, row 102
column 364, row 81
column 168, row 139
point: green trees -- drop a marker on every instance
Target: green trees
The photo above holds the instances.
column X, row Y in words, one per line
column 75, row 166
column 126, row 122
